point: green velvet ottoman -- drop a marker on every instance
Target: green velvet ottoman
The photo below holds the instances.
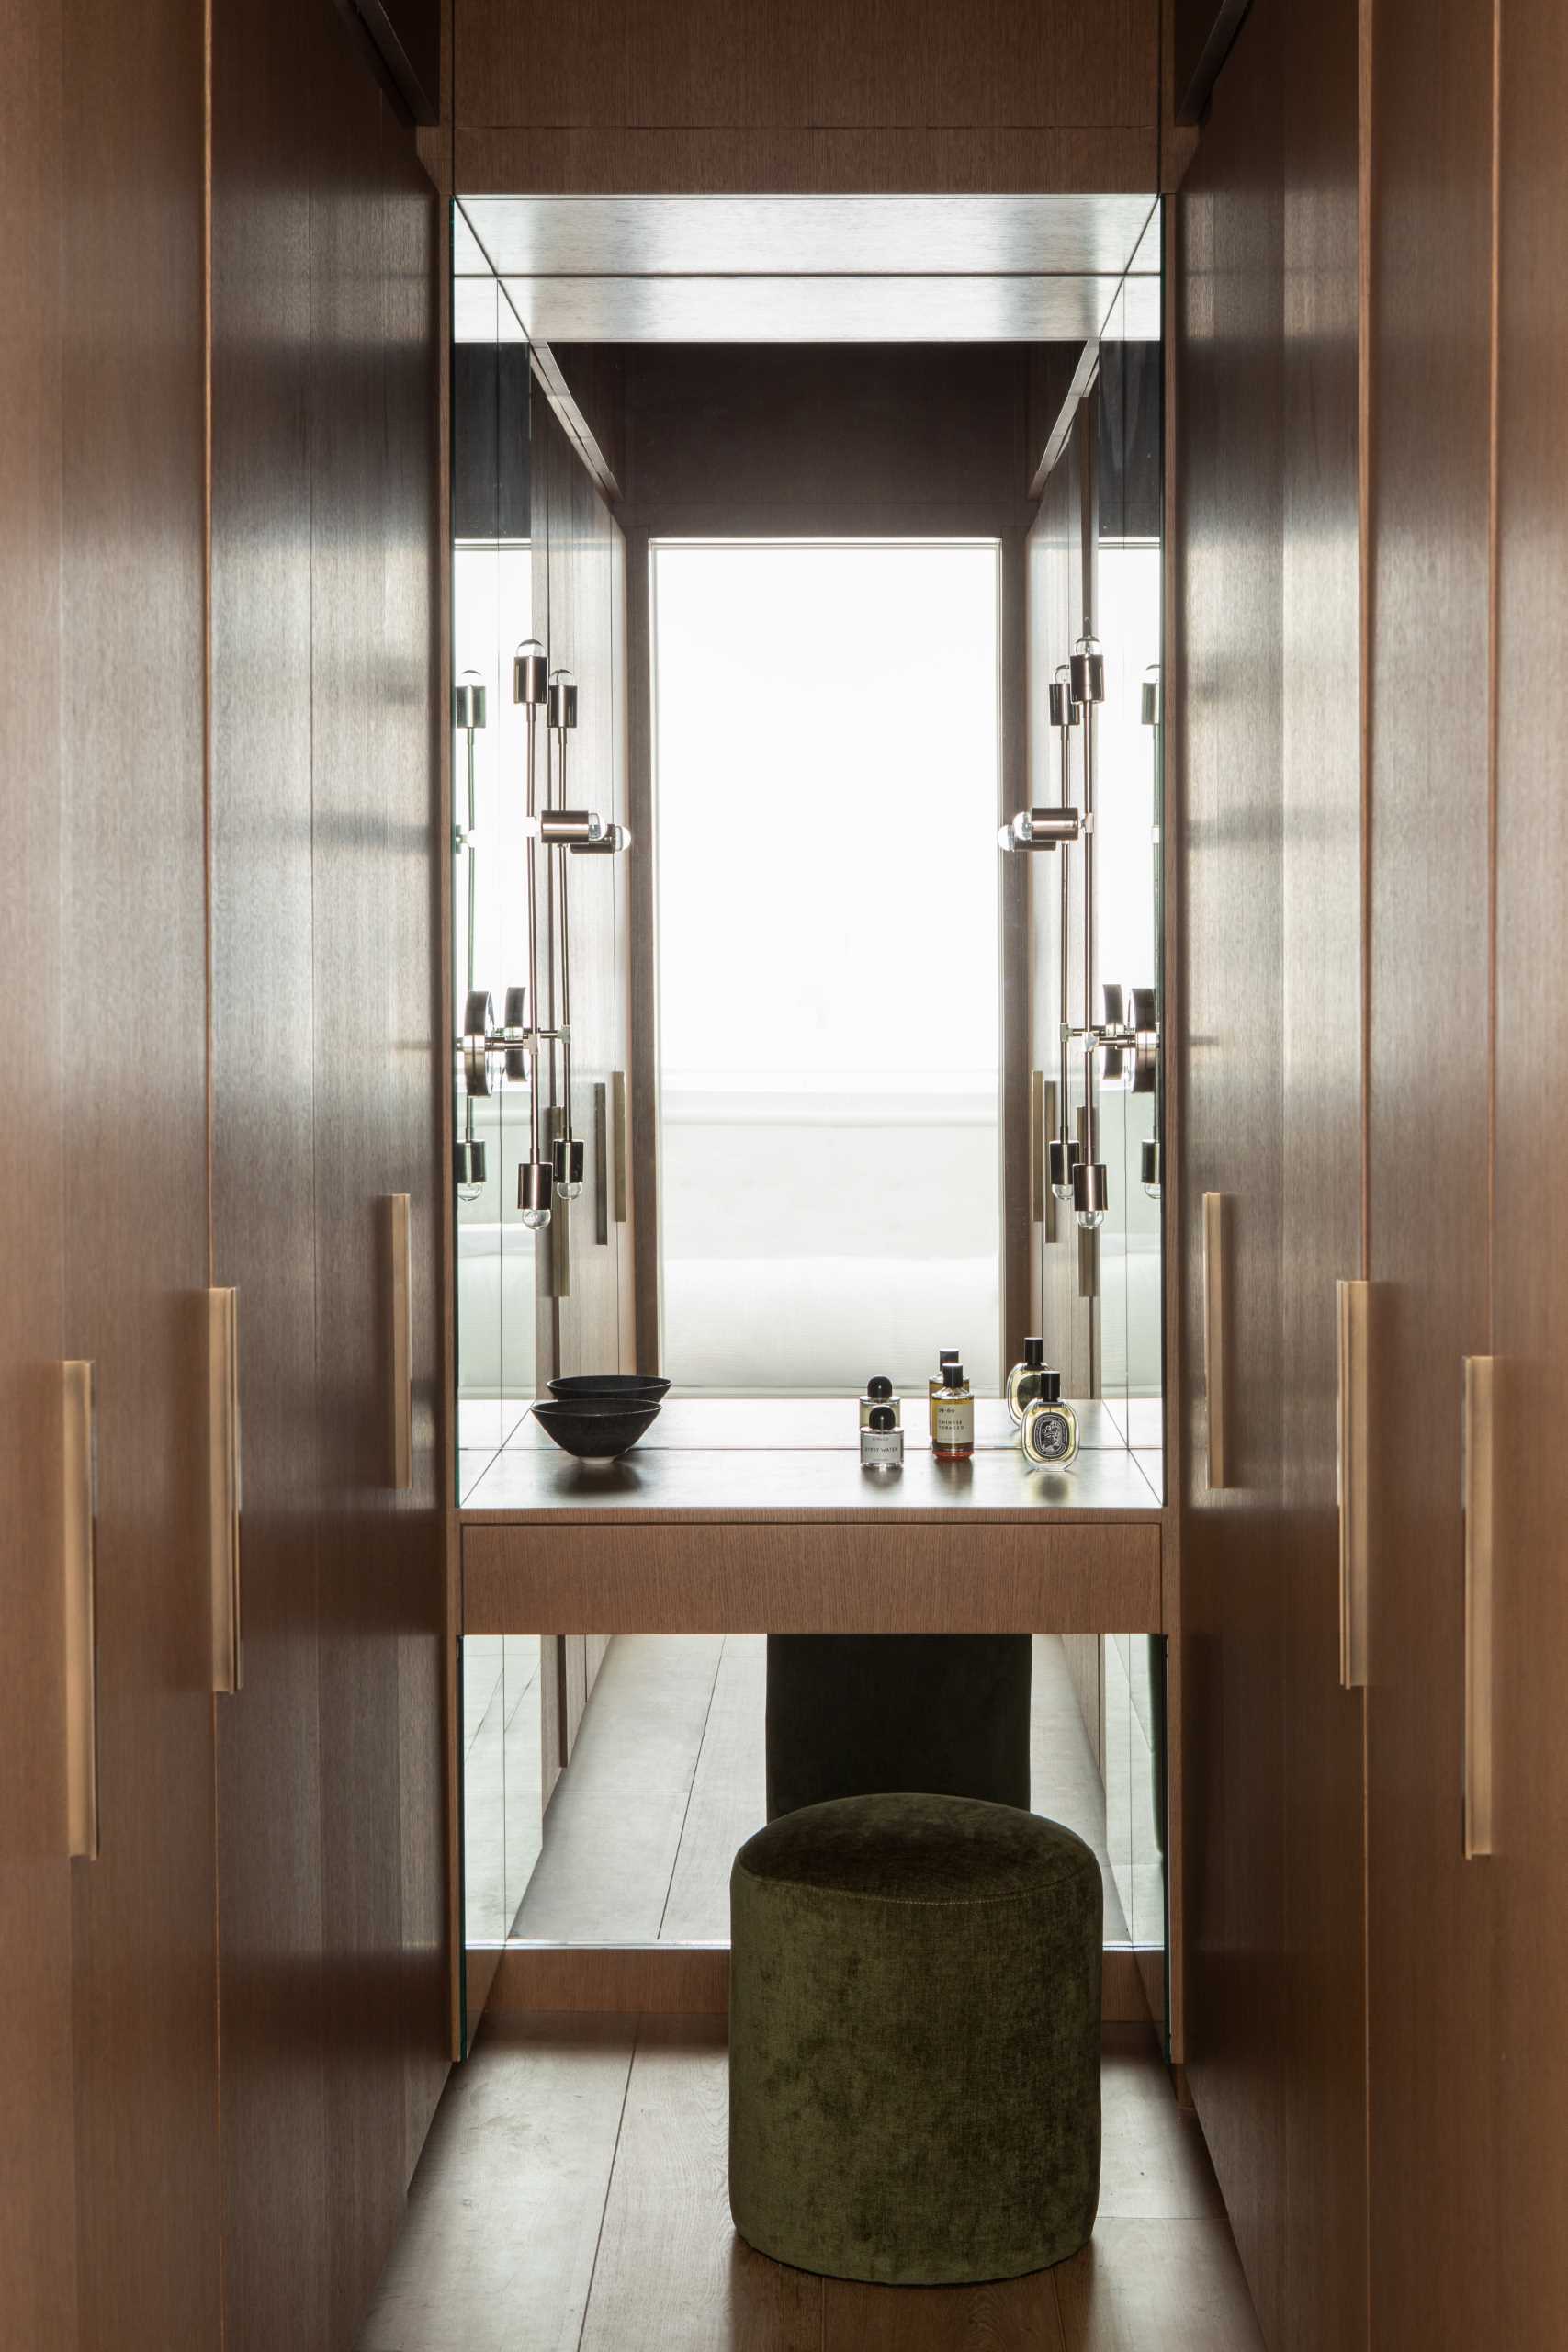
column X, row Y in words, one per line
column 914, row 2039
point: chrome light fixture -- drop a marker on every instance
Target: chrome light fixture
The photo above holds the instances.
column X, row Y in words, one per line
column 535, row 1178
column 468, row 1154
column 559, row 826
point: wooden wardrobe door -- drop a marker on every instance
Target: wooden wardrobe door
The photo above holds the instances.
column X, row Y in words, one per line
column 1529, row 1336
column 269, row 1775
column 37, row 2188
column 1324, row 2218
column 1236, row 1582
column 132, row 1037
column 1440, row 2237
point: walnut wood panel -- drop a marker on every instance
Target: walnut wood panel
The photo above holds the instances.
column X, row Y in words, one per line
column 263, row 1176
column 692, row 1981
column 627, row 65
column 414, row 1075
column 1529, row 1333
column 407, row 34
column 38, row 2216
column 733, row 1578
column 1202, row 31
column 1228, row 355
column 936, row 162
column 134, row 1193
column 373, row 478
column 1324, row 2214
column 1440, row 2237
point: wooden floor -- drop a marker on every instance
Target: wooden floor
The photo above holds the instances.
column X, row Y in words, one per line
column 668, row 1777
column 572, row 2198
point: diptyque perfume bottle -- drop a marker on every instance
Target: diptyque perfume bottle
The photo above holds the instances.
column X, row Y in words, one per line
column 1023, row 1380
column 953, row 1406
column 947, row 1356
column 1050, row 1433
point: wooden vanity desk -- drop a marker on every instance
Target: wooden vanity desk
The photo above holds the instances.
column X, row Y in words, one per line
column 756, row 1517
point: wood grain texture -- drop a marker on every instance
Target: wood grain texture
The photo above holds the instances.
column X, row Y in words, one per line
column 1530, row 1332
column 623, row 65
column 134, row 1193
column 816, row 1580
column 1011, row 2315
column 1324, row 1953
column 263, row 1177
column 698, row 162
column 1176, row 2284
column 671, row 2269
column 1440, row 2234
column 38, row 2215
column 1228, row 755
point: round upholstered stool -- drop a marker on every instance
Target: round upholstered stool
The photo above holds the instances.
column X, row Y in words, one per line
column 914, row 2039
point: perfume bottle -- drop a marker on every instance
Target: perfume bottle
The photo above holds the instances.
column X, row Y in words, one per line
column 881, row 1440
column 1023, row 1380
column 879, row 1391
column 948, row 1356
column 953, row 1405
column 1049, row 1433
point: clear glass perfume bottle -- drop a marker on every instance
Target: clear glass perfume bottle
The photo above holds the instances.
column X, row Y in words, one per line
column 953, row 1406
column 1050, row 1433
column 948, row 1356
column 881, row 1440
column 879, row 1391
column 1023, row 1380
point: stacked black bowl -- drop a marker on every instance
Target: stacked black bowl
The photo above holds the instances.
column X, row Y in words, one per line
column 598, row 1416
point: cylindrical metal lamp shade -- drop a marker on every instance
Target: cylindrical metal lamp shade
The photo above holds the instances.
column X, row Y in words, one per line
column 1151, row 1174
column 535, row 1189
column 563, row 698
column 567, row 828
column 1064, row 1160
column 468, row 1161
column 468, row 700
column 1092, row 1192
column 1088, row 670
column 478, row 1020
column 516, row 1029
column 568, row 1166
column 530, row 672
column 1149, row 711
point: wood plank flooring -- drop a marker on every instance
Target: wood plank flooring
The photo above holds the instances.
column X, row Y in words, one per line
column 667, row 1778
column 572, row 2197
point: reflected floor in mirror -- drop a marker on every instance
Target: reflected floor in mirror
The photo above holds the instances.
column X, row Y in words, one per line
column 572, row 2193
column 667, row 1779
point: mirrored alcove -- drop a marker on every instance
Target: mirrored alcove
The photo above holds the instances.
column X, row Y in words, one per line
column 861, row 983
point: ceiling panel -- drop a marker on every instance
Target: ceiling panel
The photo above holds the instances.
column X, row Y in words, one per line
column 820, row 310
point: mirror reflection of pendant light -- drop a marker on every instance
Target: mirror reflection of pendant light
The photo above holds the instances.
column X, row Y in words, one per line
column 469, row 1153
column 1091, row 1188
column 559, row 826
column 1065, row 716
column 535, row 1177
column 1146, row 1001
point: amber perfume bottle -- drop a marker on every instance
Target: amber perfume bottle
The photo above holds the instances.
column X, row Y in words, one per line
column 948, row 1356
column 1050, row 1433
column 953, row 1411
column 1023, row 1380
column 881, row 1440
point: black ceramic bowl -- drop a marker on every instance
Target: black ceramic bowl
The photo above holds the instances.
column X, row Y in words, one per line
column 581, row 1386
column 597, row 1430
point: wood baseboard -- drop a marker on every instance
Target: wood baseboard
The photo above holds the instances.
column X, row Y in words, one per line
column 693, row 1980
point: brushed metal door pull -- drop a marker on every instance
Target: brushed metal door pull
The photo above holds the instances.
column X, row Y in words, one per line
column 620, row 1136
column 1480, row 1505
column 223, row 1485
column 401, row 1348
column 1215, row 1337
column 80, row 1561
column 1352, row 1301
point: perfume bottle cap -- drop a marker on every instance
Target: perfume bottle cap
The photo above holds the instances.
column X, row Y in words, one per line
column 878, row 1385
column 955, row 1372
column 1034, row 1355
column 1051, row 1388
column 948, row 1355
column 881, row 1418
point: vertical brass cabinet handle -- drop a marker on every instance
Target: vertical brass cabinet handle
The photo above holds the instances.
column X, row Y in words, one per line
column 224, row 1484
column 1214, row 1334
column 619, row 1114
column 1479, row 1491
column 80, row 1551
column 1351, row 1299
column 402, row 1293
